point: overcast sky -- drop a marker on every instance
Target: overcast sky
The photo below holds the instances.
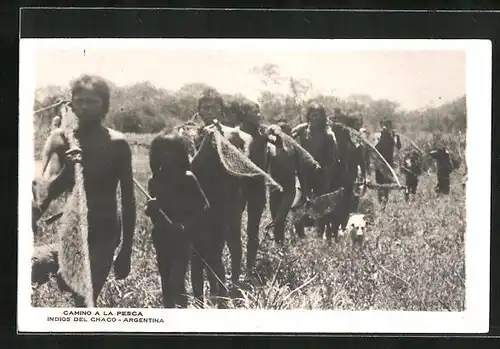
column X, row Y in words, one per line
column 413, row 78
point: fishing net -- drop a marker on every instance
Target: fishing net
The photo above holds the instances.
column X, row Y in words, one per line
column 412, row 144
column 378, row 160
column 304, row 158
column 74, row 260
column 235, row 162
column 318, row 207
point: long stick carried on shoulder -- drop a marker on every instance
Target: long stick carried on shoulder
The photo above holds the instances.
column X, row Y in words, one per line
column 379, row 156
column 146, row 194
column 412, row 143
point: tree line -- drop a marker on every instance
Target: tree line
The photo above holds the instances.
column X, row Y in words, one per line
column 145, row 108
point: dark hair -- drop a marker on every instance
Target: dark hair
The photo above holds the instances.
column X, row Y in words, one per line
column 172, row 143
column 211, row 95
column 246, row 111
column 94, row 83
column 385, row 133
column 386, row 122
column 247, row 106
column 312, row 107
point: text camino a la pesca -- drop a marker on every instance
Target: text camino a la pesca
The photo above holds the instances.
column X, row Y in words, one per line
column 104, row 313
column 103, row 316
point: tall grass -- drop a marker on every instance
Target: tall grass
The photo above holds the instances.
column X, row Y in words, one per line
column 413, row 258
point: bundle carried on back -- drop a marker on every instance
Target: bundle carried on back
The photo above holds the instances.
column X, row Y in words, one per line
column 74, row 259
column 233, row 160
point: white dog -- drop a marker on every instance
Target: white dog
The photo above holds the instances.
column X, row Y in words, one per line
column 356, row 228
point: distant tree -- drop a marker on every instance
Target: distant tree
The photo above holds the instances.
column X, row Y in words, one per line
column 293, row 102
column 271, row 106
column 359, row 98
column 269, row 74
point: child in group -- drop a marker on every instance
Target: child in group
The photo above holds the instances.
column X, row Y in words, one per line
column 412, row 170
column 177, row 193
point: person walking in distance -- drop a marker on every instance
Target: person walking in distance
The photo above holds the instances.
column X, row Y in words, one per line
column 412, row 170
column 386, row 144
column 444, row 169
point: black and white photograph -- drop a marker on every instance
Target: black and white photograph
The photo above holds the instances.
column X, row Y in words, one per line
column 254, row 185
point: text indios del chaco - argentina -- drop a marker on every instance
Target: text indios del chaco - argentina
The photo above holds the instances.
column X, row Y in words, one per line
column 103, row 316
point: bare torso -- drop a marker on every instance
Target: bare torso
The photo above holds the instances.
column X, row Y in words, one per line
column 318, row 143
column 282, row 165
column 103, row 162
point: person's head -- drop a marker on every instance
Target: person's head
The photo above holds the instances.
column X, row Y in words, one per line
column 386, row 127
column 316, row 115
column 90, row 98
column 210, row 106
column 385, row 131
column 350, row 120
column 386, row 124
column 169, row 152
column 249, row 115
column 358, row 121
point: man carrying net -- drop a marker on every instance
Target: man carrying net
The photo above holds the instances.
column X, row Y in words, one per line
column 105, row 157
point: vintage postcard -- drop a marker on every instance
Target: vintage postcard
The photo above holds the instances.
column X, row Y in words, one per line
column 223, row 185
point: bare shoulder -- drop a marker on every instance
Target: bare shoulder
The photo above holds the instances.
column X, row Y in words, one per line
column 235, row 132
column 237, row 137
column 119, row 143
column 116, row 135
column 118, row 138
column 56, row 139
column 247, row 138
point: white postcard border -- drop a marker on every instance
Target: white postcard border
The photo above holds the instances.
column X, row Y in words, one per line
column 475, row 319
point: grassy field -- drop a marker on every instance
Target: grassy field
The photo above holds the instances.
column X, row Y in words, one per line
column 413, row 259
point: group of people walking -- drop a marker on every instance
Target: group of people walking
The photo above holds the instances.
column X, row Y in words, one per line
column 107, row 164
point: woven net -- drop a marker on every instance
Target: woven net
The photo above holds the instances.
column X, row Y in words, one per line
column 378, row 160
column 304, row 158
column 318, row 207
column 74, row 261
column 234, row 161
